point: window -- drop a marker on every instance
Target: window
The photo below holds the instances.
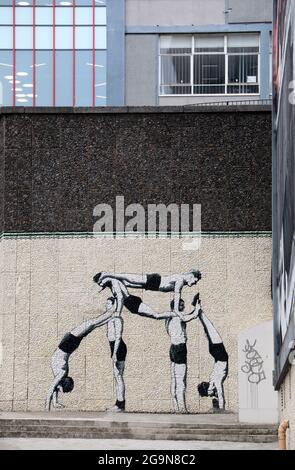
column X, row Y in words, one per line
column 209, row 64
column 53, row 56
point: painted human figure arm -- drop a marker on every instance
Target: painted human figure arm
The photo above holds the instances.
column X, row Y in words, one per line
column 53, row 388
column 119, row 291
column 177, row 295
column 217, row 379
column 89, row 325
column 118, row 331
column 55, row 402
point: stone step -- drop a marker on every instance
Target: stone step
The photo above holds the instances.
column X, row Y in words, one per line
column 127, row 424
column 103, row 429
column 75, row 434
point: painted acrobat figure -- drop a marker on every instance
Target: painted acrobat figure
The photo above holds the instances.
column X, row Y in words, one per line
column 71, row 341
column 118, row 354
column 176, row 328
column 214, row 388
column 155, row 282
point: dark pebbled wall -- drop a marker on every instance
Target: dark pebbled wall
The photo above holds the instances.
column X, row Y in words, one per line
column 59, row 165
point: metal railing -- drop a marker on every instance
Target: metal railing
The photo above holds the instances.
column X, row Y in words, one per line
column 234, row 103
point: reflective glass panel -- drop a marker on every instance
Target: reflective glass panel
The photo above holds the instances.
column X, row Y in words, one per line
column 100, row 78
column 44, row 16
column 24, row 15
column 6, row 37
column 44, row 37
column 83, row 37
column 100, row 37
column 24, row 78
column 84, row 78
column 63, row 16
column 63, row 37
column 64, row 78
column 5, row 15
column 6, row 78
column 44, row 79
column 24, row 37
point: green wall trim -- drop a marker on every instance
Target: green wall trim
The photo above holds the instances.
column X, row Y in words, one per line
column 8, row 235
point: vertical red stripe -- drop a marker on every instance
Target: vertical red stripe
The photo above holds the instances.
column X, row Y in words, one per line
column 34, row 53
column 74, row 57
column 93, row 52
column 53, row 54
column 13, row 54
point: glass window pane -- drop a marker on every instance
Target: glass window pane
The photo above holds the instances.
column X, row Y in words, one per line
column 24, row 15
column 6, row 78
column 84, row 78
column 63, row 37
column 100, row 78
column 176, row 90
column 100, row 16
column 100, row 37
column 5, row 15
column 64, row 78
column 175, row 70
column 63, row 16
column 209, row 43
column 24, row 78
column 83, row 15
column 243, row 43
column 24, row 37
column 83, row 37
column 6, row 38
column 89, row 2
column 44, row 16
column 209, row 73
column 176, row 44
column 44, row 39
column 44, row 85
column 243, row 69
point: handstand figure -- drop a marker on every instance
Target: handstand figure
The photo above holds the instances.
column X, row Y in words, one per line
column 60, row 359
column 214, row 388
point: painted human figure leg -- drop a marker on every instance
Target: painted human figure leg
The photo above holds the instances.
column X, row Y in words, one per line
column 180, row 371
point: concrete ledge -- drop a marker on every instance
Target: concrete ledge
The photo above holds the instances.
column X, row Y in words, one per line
column 188, row 109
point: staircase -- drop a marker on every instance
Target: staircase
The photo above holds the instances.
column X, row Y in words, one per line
column 134, row 426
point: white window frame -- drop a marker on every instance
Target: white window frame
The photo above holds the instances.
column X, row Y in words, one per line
column 192, row 54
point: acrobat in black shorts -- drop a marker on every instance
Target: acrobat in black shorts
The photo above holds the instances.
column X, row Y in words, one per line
column 122, row 350
column 178, row 353
column 153, row 282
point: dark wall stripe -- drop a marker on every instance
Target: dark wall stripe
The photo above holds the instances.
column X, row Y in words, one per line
column 58, row 166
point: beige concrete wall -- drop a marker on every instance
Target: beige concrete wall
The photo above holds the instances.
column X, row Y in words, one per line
column 287, row 405
column 174, row 12
column 48, row 289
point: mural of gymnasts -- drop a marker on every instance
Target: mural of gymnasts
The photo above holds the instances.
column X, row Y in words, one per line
column 155, row 282
column 214, row 388
column 71, row 341
column 176, row 328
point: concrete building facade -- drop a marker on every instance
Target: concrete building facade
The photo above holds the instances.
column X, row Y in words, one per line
column 134, row 52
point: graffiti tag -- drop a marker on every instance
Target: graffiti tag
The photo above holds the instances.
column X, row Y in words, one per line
column 253, row 364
